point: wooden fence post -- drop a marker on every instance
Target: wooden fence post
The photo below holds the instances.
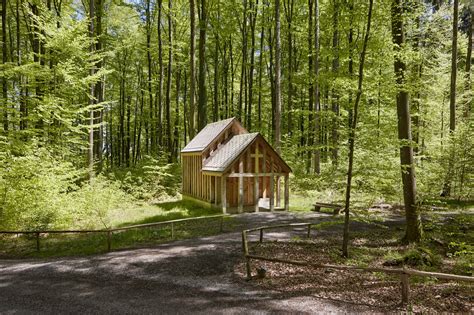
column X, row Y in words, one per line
column 37, row 241
column 172, row 230
column 405, row 288
column 246, row 252
column 261, row 235
column 309, row 231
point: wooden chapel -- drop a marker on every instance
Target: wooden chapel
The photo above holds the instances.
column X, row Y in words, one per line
column 226, row 166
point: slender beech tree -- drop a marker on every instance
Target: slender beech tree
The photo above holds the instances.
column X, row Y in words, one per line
column 169, row 78
column 414, row 230
column 470, row 34
column 192, row 62
column 335, row 95
column 454, row 68
column 452, row 100
column 277, row 111
column 202, row 105
column 92, row 89
column 150, row 74
column 4, row 61
column 316, row 90
column 352, row 133
column 161, row 75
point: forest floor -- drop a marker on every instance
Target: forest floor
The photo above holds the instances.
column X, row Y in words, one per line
column 205, row 275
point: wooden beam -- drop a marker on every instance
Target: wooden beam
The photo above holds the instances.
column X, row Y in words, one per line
column 223, row 194
column 287, row 192
column 278, row 191
column 264, row 169
column 256, row 187
column 255, row 174
column 272, row 187
column 215, row 190
column 241, row 186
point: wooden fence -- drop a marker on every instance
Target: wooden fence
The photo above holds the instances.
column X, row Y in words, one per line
column 404, row 273
column 109, row 232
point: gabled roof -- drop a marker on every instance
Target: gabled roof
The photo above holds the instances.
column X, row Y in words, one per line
column 228, row 152
column 207, row 135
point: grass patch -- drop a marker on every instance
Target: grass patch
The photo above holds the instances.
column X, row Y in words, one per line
column 57, row 245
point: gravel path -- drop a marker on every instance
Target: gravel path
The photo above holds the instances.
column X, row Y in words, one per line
column 189, row 276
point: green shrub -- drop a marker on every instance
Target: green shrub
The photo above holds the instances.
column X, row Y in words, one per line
column 150, row 180
column 32, row 190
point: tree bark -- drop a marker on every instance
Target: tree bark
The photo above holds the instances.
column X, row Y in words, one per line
column 316, row 91
column 91, row 96
column 289, row 19
column 253, row 21
column 161, row 75
column 169, row 136
column 452, row 101
column 470, row 33
column 149, row 83
column 4, row 61
column 202, row 106
column 260, row 75
column 352, row 133
column 310, row 138
column 454, row 68
column 413, row 231
column 335, row 96
column 192, row 62
column 277, row 130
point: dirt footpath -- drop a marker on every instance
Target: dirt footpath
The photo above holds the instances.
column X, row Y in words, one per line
column 190, row 276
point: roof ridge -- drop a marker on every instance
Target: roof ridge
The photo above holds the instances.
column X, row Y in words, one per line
column 208, row 134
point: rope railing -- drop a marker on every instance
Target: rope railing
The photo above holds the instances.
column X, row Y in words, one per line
column 404, row 273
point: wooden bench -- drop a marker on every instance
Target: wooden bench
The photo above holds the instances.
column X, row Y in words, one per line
column 319, row 205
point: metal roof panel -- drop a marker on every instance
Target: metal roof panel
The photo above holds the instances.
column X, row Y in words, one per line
column 207, row 135
column 228, row 152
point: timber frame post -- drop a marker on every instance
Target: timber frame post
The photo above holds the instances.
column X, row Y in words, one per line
column 278, row 191
column 272, row 187
column 224, row 194
column 241, row 186
column 256, row 179
column 287, row 193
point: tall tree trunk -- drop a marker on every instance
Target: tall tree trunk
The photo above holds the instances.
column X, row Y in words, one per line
column 352, row 132
column 4, row 61
column 452, row 101
column 192, row 62
column 161, row 75
column 127, row 147
column 277, row 130
column 92, row 87
column 202, row 106
column 174, row 155
column 413, row 223
column 310, row 139
column 289, row 19
column 149, row 83
column 243, row 69
column 454, row 68
column 260, row 72
column 99, row 87
column 215, row 111
column 470, row 34
column 253, row 21
column 335, row 96
column 168, row 83
column 23, row 109
column 317, row 104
